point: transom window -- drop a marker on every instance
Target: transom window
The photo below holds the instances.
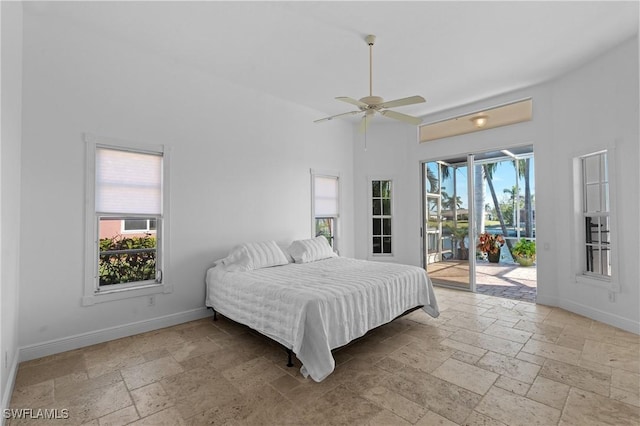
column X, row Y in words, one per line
column 381, row 215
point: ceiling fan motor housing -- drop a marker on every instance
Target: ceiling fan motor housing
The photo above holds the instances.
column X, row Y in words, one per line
column 372, row 101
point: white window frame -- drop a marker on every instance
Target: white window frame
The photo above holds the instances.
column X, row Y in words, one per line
column 336, row 218
column 582, row 276
column 370, row 217
column 92, row 292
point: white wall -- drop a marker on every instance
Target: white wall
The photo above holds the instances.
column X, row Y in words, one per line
column 240, row 164
column 11, row 18
column 586, row 108
column 596, row 107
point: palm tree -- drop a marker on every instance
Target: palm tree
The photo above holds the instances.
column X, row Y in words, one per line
column 524, row 168
column 489, row 169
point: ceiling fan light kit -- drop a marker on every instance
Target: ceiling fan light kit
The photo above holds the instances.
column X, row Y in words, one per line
column 371, row 104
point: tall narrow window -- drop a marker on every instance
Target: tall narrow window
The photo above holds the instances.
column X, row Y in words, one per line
column 596, row 214
column 326, row 206
column 125, row 221
column 381, row 234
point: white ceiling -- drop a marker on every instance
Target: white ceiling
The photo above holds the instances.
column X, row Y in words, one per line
column 451, row 52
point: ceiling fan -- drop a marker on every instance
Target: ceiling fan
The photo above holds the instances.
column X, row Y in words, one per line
column 369, row 105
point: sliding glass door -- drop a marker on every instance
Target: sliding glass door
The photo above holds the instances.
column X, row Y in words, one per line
column 467, row 196
column 447, row 221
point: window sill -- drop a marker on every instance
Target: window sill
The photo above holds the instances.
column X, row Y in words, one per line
column 126, row 293
column 604, row 283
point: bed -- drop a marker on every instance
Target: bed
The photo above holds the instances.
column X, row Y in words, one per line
column 310, row 300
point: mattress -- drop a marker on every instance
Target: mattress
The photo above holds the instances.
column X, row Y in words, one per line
column 312, row 308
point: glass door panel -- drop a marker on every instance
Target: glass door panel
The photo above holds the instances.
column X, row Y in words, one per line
column 446, row 223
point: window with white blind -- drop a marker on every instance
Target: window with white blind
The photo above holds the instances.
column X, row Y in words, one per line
column 126, row 218
column 325, row 189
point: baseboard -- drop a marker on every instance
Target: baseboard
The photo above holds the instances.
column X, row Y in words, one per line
column 8, row 389
column 64, row 344
column 590, row 312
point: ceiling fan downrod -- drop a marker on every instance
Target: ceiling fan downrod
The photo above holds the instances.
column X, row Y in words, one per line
column 370, row 39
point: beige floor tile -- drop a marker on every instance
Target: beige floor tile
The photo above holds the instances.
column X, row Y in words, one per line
column 184, row 351
column 387, row 418
column 624, row 358
column 512, row 385
column 515, row 410
column 477, row 419
column 120, row 418
column 511, row 367
column 424, row 358
column 466, row 376
column 585, row 408
column 168, row 417
column 29, row 374
column 95, row 403
column 490, row 343
column 150, row 399
column 508, row 333
column 552, row 351
column 474, row 323
column 71, row 390
column 461, row 346
column 434, row 419
column 549, row 392
column 447, row 399
column 253, row 373
column 625, row 386
column 534, row 364
column 579, row 377
column 395, row 403
column 149, row 372
column 540, row 331
column 38, row 395
column 533, row 359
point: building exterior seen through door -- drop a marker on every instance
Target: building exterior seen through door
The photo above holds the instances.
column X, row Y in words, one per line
column 496, row 197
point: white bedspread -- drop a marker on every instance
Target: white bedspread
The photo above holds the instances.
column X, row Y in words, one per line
column 312, row 308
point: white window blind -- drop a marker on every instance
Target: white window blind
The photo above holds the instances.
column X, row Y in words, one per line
column 326, row 196
column 128, row 182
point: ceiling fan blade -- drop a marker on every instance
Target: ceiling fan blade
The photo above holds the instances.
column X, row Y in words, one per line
column 352, row 101
column 337, row 115
column 402, row 117
column 404, row 101
column 364, row 123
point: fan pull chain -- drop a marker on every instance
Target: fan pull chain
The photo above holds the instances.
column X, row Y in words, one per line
column 365, row 133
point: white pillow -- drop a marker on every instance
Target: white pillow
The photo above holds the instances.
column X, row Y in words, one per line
column 249, row 256
column 304, row 251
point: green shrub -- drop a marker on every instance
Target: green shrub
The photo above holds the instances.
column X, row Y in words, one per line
column 127, row 259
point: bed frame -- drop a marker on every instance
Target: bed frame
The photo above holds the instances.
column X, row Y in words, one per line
column 290, row 352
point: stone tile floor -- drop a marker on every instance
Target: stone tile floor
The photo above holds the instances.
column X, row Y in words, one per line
column 484, row 361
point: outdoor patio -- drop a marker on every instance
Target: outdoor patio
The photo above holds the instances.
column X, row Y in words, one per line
column 494, row 279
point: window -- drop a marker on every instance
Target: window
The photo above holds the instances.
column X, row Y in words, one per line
column 326, row 206
column 381, row 233
column 138, row 225
column 126, row 216
column 596, row 215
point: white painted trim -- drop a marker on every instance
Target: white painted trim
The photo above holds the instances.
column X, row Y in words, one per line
column 8, row 389
column 592, row 313
column 64, row 344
